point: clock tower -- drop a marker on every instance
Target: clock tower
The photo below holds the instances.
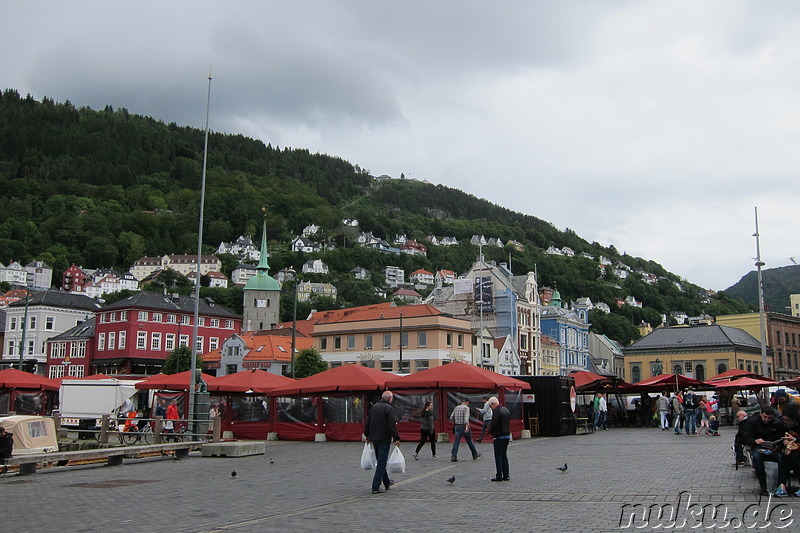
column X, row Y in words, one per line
column 262, row 295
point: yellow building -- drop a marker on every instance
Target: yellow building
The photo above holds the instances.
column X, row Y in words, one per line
column 794, row 305
column 782, row 335
column 700, row 352
column 549, row 365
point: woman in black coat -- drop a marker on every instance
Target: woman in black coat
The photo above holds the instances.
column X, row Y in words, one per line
column 427, row 430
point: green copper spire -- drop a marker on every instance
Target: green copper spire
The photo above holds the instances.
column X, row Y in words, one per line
column 262, row 281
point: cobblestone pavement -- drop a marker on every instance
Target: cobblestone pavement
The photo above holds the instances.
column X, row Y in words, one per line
column 319, row 487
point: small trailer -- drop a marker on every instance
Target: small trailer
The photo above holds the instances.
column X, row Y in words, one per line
column 84, row 401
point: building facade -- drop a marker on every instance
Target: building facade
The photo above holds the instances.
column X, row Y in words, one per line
column 183, row 264
column 262, row 295
column 700, row 352
column 782, row 335
column 393, row 339
column 70, row 354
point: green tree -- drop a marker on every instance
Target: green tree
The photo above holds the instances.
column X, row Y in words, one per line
column 180, row 360
column 308, row 363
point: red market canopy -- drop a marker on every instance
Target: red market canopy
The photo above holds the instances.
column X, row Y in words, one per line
column 744, row 383
column 11, row 378
column 344, row 378
column 254, row 380
column 585, row 380
column 456, row 376
column 179, row 381
column 663, row 381
column 733, row 373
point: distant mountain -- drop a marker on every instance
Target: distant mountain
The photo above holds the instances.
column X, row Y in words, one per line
column 779, row 283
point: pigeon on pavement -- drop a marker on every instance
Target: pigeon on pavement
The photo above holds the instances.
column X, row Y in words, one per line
column 233, row 474
column 450, row 480
column 562, row 468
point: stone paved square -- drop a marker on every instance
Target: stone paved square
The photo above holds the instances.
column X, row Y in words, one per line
column 319, row 487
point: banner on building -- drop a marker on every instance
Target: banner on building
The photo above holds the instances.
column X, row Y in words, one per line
column 483, row 294
column 462, row 286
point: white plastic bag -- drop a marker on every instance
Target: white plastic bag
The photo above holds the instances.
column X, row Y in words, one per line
column 368, row 460
column 396, row 463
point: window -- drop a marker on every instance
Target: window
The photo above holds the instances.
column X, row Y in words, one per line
column 449, row 339
column 460, row 338
column 123, row 316
column 199, row 344
column 201, row 321
column 10, row 349
column 185, row 320
column 13, row 323
column 404, row 366
column 157, row 317
column 169, row 342
column 404, row 339
column 229, row 324
column 421, row 364
column 636, row 374
column 59, row 350
column 142, row 316
column 112, row 340
column 368, row 342
column 386, row 366
column 122, row 338
column 787, row 337
column 700, row 373
column 49, row 323
column 687, row 367
column 422, row 339
column 141, row 340
column 76, row 371
column 323, row 343
column 778, row 337
column 215, row 322
column 113, row 317
column 722, row 367
column 101, row 342
column 337, row 343
column 351, row 342
column 78, row 349
column 155, row 341
column 171, row 319
column 57, row 371
column 387, row 342
column 103, row 318
column 523, row 342
column 33, row 323
column 184, row 340
column 213, row 343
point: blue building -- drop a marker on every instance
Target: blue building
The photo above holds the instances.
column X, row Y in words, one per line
column 570, row 327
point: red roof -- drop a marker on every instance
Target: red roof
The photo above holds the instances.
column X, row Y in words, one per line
column 744, row 383
column 455, row 375
column 179, row 381
column 11, row 378
column 255, row 380
column 265, row 347
column 667, row 380
column 341, row 378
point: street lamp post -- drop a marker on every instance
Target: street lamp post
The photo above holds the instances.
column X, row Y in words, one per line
column 400, row 363
column 761, row 314
column 294, row 324
column 22, row 345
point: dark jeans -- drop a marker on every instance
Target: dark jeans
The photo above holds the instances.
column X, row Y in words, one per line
column 459, row 432
column 426, row 435
column 501, row 457
column 758, row 464
column 382, row 455
column 787, row 464
column 738, row 448
column 484, row 428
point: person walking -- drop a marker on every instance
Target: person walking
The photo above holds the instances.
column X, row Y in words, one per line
column 689, row 407
column 427, row 430
column 663, row 411
column 596, row 408
column 500, row 430
column 6, row 448
column 460, row 418
column 380, row 429
column 602, row 412
column 486, row 411
column 677, row 412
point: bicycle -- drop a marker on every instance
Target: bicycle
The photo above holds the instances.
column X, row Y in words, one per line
column 132, row 434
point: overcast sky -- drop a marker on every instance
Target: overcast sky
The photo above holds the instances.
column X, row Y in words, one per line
column 657, row 127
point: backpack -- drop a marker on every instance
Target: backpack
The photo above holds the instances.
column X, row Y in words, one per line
column 690, row 401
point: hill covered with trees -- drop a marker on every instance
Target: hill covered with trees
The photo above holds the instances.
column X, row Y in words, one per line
column 104, row 188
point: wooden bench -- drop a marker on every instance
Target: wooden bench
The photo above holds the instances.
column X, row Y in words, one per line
column 113, row 455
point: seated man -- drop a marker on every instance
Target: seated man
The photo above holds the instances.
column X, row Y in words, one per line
column 762, row 430
column 738, row 440
column 782, row 398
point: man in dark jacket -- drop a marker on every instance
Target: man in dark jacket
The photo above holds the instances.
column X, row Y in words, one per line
column 6, row 448
column 380, row 429
column 760, row 431
column 501, row 432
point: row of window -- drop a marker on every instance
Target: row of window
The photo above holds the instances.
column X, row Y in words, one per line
column 422, row 341
column 58, row 350
column 59, row 371
column 783, row 337
column 790, row 357
column 169, row 318
column 391, row 366
column 18, row 323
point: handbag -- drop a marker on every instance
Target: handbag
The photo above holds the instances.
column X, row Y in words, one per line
column 368, row 459
column 396, row 463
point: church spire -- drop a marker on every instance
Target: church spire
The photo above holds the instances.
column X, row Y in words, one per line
column 263, row 262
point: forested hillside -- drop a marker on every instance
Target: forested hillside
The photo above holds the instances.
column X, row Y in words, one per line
column 104, row 188
column 779, row 283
